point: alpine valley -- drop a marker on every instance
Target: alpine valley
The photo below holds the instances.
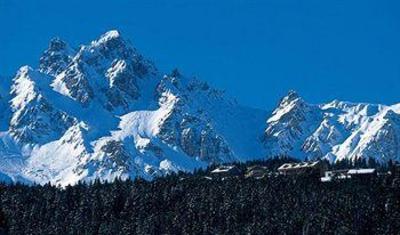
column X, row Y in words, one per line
column 104, row 111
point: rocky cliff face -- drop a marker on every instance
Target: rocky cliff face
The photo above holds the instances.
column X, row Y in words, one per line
column 34, row 119
column 290, row 124
column 56, row 58
column 104, row 111
column 188, row 125
column 108, row 69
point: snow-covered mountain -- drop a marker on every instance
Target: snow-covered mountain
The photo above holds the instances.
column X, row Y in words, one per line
column 334, row 131
column 105, row 111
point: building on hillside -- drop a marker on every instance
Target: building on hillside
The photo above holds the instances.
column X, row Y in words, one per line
column 226, row 171
column 335, row 175
column 316, row 168
column 362, row 174
column 257, row 172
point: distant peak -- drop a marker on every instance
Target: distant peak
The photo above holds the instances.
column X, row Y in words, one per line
column 24, row 69
column 291, row 96
column 56, row 57
column 108, row 36
column 175, row 73
column 56, row 44
column 333, row 104
column 111, row 34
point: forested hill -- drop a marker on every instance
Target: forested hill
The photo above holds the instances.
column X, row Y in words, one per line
column 194, row 204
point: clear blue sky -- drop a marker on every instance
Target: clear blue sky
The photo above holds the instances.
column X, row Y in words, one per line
column 255, row 50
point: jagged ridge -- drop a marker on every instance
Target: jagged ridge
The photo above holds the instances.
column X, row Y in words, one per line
column 335, row 131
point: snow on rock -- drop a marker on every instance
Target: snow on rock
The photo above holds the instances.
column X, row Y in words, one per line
column 23, row 89
column 11, row 159
column 108, row 70
column 289, row 126
column 110, row 35
column 396, row 108
column 335, row 131
column 56, row 58
column 58, row 162
column 34, row 119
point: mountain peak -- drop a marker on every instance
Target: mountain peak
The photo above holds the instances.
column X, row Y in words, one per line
column 56, row 58
column 24, row 69
column 292, row 95
column 110, row 46
column 56, row 44
column 175, row 73
column 112, row 35
column 291, row 98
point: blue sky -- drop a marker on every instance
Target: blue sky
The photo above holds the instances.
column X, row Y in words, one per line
column 255, row 50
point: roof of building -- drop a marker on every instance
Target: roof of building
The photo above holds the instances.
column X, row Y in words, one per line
column 257, row 167
column 330, row 178
column 287, row 166
column 338, row 171
column 223, row 169
column 361, row 171
column 326, row 179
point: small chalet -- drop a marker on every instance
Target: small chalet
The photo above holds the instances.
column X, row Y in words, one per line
column 335, row 175
column 226, row 171
column 257, row 172
column 303, row 168
column 362, row 174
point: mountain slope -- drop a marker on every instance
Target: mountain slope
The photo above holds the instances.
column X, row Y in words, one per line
column 104, row 111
